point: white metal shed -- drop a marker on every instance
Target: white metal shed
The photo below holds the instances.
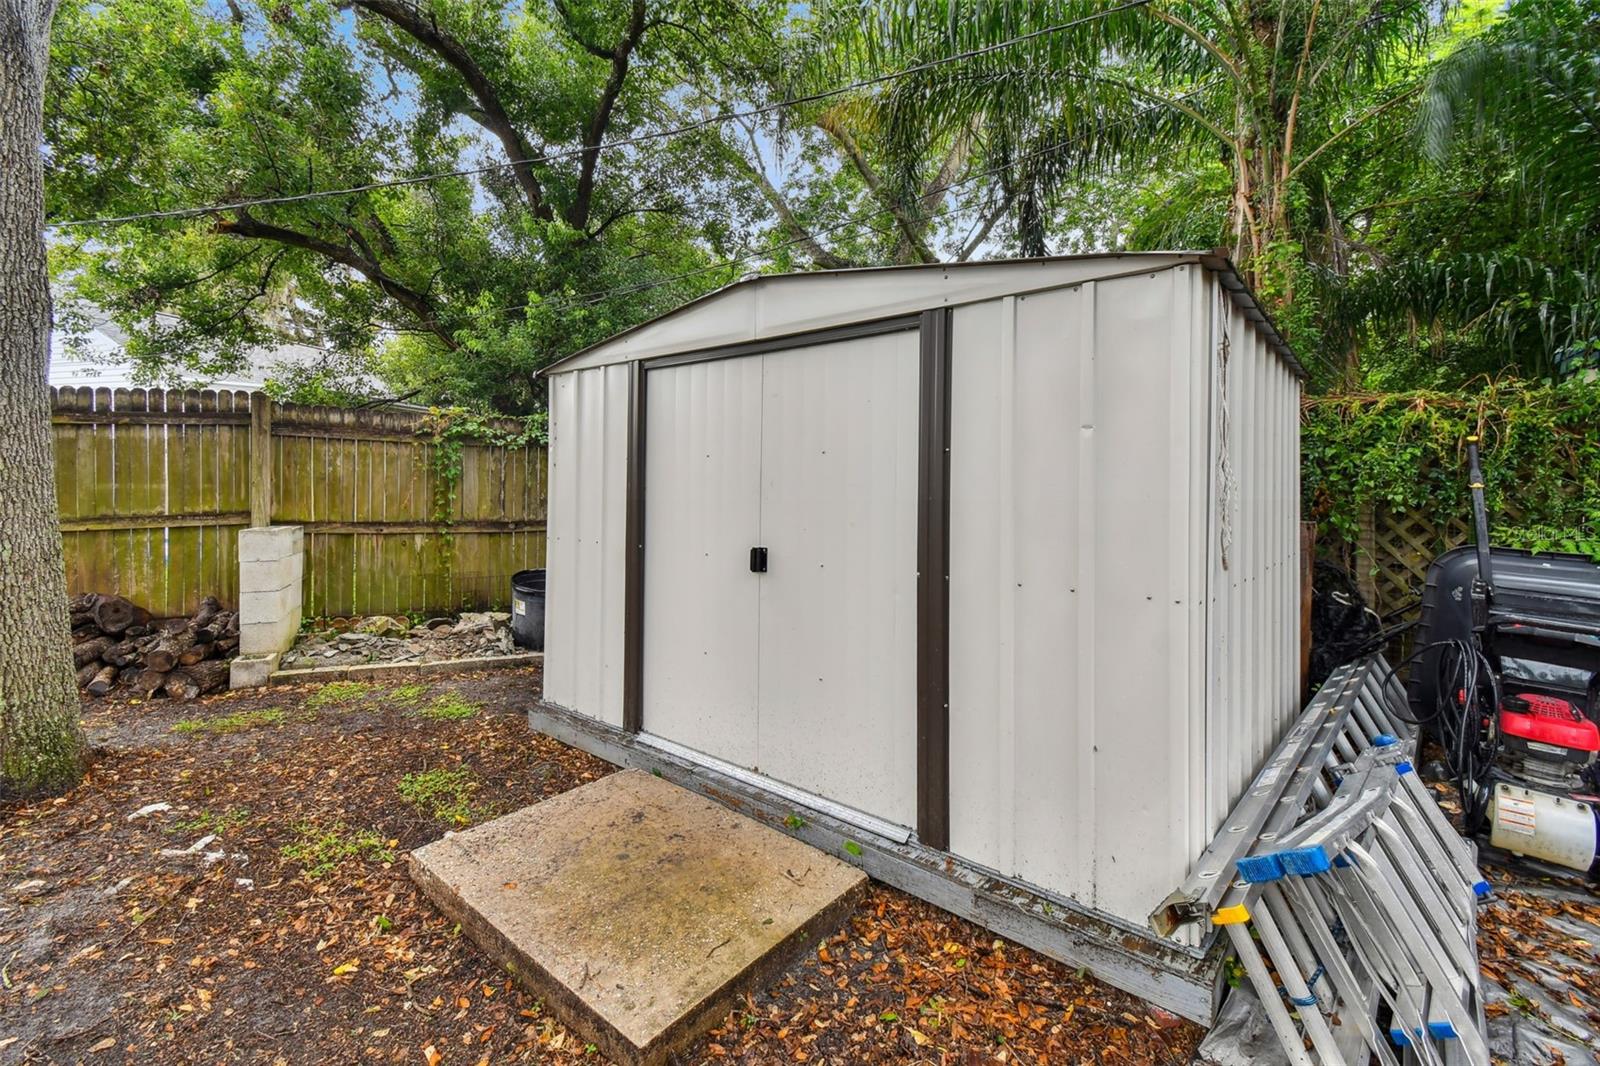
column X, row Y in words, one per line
column 993, row 565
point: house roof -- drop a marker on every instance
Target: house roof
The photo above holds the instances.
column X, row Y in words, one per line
column 96, row 358
column 773, row 305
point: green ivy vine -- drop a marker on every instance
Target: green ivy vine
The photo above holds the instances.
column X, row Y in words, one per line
column 1407, row 451
column 452, row 429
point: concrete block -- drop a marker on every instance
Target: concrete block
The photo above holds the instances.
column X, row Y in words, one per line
column 259, row 607
column 251, row 671
column 265, row 638
column 270, row 575
column 639, row 911
column 271, row 567
column 262, row 543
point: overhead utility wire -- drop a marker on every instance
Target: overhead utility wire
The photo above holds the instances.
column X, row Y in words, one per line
column 643, row 138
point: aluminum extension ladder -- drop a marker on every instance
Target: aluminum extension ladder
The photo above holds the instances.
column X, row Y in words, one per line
column 1345, row 893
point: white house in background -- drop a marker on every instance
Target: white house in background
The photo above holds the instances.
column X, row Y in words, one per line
column 99, row 360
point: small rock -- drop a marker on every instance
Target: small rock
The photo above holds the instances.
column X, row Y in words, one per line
column 437, row 623
column 149, row 809
column 473, row 622
column 500, row 618
column 440, row 632
column 380, row 625
column 356, row 638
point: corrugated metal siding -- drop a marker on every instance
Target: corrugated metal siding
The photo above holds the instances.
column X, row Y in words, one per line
column 806, row 673
column 1077, row 582
column 584, row 597
column 776, row 305
column 1254, row 604
column 1113, row 684
column 702, row 516
column 838, row 704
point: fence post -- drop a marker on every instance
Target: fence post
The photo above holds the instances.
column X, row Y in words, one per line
column 1367, row 557
column 260, row 459
column 1308, row 576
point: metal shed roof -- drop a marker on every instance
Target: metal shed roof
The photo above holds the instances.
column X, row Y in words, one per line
column 773, row 305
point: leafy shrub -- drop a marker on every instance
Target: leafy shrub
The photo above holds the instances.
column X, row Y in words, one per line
column 1406, row 451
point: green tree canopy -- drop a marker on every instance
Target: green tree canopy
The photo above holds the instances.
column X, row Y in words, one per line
column 468, row 284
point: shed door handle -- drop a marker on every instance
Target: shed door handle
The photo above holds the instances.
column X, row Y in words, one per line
column 758, row 560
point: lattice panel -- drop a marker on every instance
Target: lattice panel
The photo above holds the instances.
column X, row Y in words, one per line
column 1404, row 545
column 1396, row 549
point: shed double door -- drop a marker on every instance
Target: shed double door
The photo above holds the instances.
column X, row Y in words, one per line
column 805, row 672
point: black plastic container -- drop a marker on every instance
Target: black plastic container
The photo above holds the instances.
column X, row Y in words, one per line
column 527, row 609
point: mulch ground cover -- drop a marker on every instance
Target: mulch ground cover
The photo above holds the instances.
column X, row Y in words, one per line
column 227, row 885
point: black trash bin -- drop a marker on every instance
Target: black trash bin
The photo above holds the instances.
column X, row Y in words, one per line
column 527, row 609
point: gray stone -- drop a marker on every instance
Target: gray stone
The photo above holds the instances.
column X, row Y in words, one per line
column 473, row 622
column 639, row 911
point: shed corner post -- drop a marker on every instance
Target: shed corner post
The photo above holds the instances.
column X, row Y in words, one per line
column 633, row 582
column 933, row 581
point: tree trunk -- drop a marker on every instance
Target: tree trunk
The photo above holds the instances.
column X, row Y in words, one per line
column 41, row 747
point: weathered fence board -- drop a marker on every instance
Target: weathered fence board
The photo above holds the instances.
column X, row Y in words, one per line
column 154, row 486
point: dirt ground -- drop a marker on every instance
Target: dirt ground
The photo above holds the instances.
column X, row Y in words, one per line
column 227, row 885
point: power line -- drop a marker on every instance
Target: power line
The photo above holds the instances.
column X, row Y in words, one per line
column 625, row 142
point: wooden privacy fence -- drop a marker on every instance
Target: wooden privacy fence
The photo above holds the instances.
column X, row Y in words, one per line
column 154, row 486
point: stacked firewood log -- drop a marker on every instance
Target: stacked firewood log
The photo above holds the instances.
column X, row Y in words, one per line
column 117, row 645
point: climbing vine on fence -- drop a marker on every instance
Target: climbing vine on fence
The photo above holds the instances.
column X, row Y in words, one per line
column 451, row 430
column 1407, row 451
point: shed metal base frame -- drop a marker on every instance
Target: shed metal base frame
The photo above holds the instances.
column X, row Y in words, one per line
column 1184, row 981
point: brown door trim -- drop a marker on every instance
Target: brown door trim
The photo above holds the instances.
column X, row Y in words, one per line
column 933, row 545
column 633, row 577
column 933, row 583
column 807, row 339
